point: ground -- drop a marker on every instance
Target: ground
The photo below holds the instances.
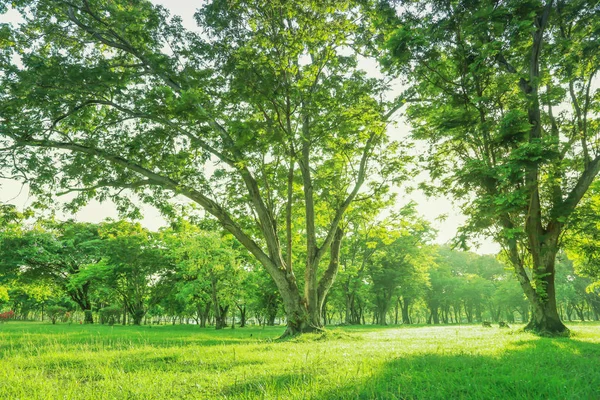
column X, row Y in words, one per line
column 43, row 361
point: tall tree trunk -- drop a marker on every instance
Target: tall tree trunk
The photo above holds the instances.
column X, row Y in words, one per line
column 242, row 309
column 435, row 315
column 405, row 311
column 349, row 308
column 328, row 277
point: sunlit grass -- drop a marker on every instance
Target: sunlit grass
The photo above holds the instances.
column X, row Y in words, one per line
column 42, row 361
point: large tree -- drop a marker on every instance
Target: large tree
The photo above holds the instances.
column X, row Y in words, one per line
column 505, row 94
column 261, row 112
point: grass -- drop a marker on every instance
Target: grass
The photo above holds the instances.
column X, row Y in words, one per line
column 43, row 361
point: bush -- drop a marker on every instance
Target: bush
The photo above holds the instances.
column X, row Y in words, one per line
column 110, row 315
column 56, row 312
column 8, row 315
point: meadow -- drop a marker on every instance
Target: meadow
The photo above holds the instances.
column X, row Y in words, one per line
column 44, row 361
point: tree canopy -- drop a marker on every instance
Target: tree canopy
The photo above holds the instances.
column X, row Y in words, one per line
column 263, row 112
column 505, row 95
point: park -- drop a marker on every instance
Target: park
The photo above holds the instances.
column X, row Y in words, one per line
column 290, row 199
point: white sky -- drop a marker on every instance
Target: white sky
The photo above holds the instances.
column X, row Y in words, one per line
column 431, row 208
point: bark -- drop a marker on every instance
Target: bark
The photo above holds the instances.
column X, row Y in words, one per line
column 328, row 277
column 221, row 316
column 405, row 311
column 435, row 315
column 544, row 318
column 202, row 313
column 81, row 297
column 137, row 316
column 242, row 315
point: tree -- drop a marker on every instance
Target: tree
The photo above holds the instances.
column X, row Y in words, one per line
column 397, row 270
column 136, row 266
column 268, row 97
column 56, row 312
column 504, row 94
column 208, row 265
column 582, row 242
column 55, row 251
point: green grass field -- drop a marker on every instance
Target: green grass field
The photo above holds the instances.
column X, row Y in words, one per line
column 43, row 361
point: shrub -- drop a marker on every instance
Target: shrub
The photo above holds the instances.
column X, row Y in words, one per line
column 8, row 315
column 110, row 314
column 56, row 312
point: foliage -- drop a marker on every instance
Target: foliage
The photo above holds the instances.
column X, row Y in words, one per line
column 56, row 313
column 208, row 269
column 7, row 315
column 263, row 114
column 503, row 94
column 135, row 266
column 54, row 252
column 110, row 315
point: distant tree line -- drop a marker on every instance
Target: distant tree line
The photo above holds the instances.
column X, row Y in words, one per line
column 118, row 272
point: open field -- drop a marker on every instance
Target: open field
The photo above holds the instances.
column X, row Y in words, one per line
column 43, row 361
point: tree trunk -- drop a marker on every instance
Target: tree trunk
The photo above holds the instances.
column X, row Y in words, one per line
column 349, row 306
column 242, row 315
column 544, row 318
column 221, row 316
column 81, row 297
column 435, row 316
column 405, row 311
column 137, row 316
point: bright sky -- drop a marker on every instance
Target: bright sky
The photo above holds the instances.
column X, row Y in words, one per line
column 432, row 208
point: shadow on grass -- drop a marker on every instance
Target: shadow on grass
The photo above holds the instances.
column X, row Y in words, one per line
column 528, row 369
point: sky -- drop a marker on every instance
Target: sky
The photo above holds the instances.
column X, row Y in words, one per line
column 431, row 208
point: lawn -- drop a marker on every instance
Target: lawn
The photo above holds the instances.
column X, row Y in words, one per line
column 43, row 361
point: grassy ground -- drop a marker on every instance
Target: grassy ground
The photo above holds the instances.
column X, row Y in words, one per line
column 42, row 361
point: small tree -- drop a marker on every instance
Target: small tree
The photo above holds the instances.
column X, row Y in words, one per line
column 110, row 315
column 208, row 266
column 56, row 313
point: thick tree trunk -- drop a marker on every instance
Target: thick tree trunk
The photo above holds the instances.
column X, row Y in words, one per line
column 435, row 315
column 137, row 316
column 297, row 314
column 304, row 314
column 221, row 317
column 544, row 318
column 81, row 297
column 88, row 316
